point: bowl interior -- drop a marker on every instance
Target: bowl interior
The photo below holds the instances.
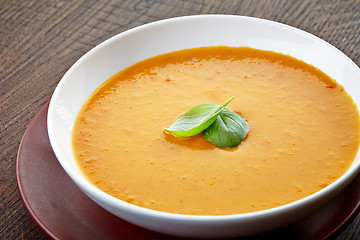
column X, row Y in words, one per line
column 149, row 40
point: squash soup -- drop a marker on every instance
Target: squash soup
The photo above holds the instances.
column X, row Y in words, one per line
column 304, row 132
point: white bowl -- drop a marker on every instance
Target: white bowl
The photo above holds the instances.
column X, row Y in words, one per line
column 169, row 35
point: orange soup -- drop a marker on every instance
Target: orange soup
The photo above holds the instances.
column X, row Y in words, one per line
column 303, row 132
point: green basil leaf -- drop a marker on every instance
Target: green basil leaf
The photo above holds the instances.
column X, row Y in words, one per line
column 228, row 130
column 197, row 119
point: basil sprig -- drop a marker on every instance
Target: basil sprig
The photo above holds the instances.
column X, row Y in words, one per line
column 197, row 119
column 220, row 126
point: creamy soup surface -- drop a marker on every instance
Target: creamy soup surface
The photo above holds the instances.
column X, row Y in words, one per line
column 304, row 132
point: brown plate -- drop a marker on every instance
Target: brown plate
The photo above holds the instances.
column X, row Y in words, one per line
column 62, row 211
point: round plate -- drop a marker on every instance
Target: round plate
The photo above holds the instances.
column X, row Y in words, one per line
column 62, row 211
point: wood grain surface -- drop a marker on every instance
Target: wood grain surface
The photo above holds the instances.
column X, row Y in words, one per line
column 41, row 39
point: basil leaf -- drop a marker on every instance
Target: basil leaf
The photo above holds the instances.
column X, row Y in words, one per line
column 197, row 119
column 228, row 130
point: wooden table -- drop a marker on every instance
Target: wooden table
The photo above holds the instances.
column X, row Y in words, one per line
column 41, row 39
